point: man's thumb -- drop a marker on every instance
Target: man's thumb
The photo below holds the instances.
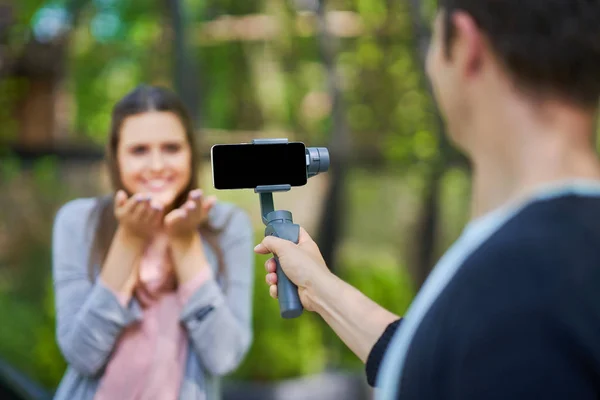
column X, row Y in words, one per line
column 271, row 244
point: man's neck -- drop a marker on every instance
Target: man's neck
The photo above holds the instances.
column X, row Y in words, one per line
column 536, row 150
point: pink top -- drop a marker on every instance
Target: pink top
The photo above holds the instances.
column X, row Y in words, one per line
column 149, row 358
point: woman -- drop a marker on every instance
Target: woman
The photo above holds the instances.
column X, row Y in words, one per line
column 153, row 284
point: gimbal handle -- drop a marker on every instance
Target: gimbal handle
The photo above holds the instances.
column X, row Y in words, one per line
column 280, row 223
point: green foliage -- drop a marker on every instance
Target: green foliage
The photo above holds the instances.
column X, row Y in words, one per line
column 27, row 338
column 11, row 90
column 10, row 168
column 373, row 11
column 282, row 348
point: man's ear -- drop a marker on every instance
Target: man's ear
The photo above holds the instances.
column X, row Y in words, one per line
column 468, row 46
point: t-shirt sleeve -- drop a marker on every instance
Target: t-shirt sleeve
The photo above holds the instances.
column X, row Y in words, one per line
column 379, row 348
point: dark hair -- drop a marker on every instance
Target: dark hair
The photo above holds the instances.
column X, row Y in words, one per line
column 142, row 99
column 550, row 47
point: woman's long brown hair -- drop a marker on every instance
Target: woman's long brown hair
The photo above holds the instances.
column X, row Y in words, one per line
column 142, row 99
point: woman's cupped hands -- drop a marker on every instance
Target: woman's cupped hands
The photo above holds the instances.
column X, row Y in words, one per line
column 141, row 216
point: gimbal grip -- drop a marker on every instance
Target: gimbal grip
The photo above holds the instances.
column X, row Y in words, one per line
column 290, row 305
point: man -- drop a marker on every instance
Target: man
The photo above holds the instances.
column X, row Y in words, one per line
column 512, row 310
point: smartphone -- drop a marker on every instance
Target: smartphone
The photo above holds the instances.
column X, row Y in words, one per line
column 247, row 165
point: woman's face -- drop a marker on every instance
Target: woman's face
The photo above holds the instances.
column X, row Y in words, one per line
column 154, row 156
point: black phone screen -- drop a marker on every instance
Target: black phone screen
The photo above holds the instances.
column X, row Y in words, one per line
column 246, row 166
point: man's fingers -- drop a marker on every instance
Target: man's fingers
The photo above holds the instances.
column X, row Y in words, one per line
column 270, row 265
column 304, row 237
column 271, row 278
column 272, row 244
column 273, row 291
column 306, row 241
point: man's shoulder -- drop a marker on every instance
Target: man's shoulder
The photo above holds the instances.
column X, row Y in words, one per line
column 557, row 228
column 558, row 215
column 548, row 251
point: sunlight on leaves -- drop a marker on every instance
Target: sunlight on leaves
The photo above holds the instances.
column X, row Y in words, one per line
column 143, row 32
column 369, row 55
column 50, row 22
column 105, row 26
column 425, row 145
column 360, row 116
column 373, row 12
column 121, row 77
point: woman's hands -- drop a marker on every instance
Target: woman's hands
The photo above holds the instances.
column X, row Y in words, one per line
column 138, row 216
column 182, row 223
column 140, row 219
column 181, row 226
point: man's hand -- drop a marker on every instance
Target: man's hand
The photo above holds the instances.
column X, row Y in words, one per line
column 183, row 222
column 356, row 319
column 138, row 216
column 302, row 263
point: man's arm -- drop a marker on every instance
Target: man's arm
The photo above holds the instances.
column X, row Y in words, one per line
column 356, row 319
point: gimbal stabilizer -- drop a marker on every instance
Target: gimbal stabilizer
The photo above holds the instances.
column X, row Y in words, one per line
column 279, row 223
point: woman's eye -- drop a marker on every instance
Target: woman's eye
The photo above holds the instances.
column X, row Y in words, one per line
column 138, row 149
column 172, row 148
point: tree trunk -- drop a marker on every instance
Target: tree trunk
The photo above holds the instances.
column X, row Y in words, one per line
column 38, row 70
column 38, row 66
column 330, row 226
column 426, row 240
column 185, row 69
column 35, row 113
column 426, row 226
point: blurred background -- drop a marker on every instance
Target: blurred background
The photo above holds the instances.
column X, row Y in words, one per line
column 346, row 74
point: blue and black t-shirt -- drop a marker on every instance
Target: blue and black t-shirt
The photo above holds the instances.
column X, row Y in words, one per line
column 512, row 310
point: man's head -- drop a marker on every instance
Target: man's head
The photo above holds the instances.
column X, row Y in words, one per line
column 488, row 50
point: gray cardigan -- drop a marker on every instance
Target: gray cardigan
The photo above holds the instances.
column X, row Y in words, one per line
column 89, row 318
